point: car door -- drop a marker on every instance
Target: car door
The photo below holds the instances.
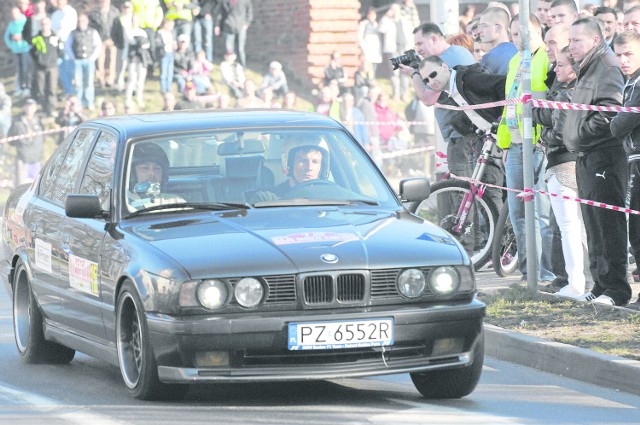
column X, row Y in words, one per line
column 42, row 219
column 82, row 239
column 60, row 185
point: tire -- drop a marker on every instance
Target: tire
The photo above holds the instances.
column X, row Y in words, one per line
column 441, row 208
column 505, row 250
column 135, row 355
column 452, row 383
column 27, row 326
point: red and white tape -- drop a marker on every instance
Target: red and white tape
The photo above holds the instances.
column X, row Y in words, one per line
column 35, row 133
column 526, row 195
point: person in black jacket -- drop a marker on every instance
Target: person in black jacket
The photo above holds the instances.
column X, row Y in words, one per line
column 203, row 16
column 626, row 126
column 101, row 18
column 468, row 85
column 601, row 169
column 46, row 49
column 233, row 18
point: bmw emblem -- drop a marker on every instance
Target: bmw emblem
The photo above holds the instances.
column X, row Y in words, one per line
column 329, row 258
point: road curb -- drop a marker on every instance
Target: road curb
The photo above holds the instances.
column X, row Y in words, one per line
column 566, row 360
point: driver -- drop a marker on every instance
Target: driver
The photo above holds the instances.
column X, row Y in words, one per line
column 149, row 178
column 301, row 164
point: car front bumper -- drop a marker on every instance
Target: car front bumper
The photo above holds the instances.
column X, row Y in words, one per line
column 256, row 345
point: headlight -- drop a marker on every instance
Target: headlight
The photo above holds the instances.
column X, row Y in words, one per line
column 249, row 292
column 444, row 280
column 411, row 283
column 213, row 294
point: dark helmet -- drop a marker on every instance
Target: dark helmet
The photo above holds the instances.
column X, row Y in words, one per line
column 291, row 157
column 149, row 152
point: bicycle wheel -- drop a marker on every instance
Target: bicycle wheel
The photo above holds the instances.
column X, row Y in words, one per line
column 477, row 233
column 505, row 250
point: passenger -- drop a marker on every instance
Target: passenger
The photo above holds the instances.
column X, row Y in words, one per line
column 149, row 178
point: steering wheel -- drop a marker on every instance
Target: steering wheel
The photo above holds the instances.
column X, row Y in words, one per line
column 322, row 185
column 313, row 182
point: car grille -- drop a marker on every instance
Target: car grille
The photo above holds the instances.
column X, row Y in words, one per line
column 321, row 289
column 335, row 287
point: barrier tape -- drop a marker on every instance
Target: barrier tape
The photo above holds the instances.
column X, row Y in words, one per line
column 541, row 103
column 403, row 152
column 35, row 133
column 527, row 195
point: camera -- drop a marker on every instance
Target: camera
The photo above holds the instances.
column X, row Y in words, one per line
column 409, row 58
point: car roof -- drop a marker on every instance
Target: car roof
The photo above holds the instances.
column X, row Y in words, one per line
column 137, row 125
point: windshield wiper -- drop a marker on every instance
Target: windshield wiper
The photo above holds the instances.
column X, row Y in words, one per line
column 295, row 202
column 211, row 206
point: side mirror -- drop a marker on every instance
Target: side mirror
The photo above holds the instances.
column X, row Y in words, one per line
column 83, row 206
column 414, row 190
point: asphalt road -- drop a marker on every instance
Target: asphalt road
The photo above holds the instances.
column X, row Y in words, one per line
column 88, row 391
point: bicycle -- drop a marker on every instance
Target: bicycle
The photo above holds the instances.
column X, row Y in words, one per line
column 505, row 250
column 460, row 208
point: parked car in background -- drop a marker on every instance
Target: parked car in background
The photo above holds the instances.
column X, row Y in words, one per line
column 235, row 246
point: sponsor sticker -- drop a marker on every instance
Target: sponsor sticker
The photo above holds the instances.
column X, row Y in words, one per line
column 83, row 275
column 43, row 255
column 312, row 237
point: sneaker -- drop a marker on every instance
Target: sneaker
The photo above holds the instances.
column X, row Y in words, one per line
column 635, row 305
column 588, row 297
column 604, row 299
column 569, row 292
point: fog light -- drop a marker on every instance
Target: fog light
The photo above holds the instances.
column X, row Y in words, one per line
column 446, row 346
column 212, row 358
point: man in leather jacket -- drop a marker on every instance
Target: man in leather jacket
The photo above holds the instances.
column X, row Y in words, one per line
column 601, row 168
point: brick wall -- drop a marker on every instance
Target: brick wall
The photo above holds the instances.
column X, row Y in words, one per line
column 301, row 34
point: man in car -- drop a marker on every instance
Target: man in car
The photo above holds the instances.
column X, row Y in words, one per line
column 149, row 178
column 301, row 164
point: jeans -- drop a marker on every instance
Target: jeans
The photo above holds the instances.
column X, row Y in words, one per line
column 203, row 36
column 166, row 72
column 23, row 79
column 543, row 233
column 634, row 203
column 84, row 72
column 230, row 41
column 65, row 66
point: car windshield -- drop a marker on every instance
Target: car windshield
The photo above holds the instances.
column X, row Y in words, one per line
column 261, row 168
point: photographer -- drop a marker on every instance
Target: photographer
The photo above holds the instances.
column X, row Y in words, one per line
column 472, row 85
column 429, row 41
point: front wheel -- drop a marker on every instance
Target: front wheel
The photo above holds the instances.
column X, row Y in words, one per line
column 135, row 354
column 452, row 383
column 477, row 232
column 505, row 250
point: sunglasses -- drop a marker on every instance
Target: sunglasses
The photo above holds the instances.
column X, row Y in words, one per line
column 431, row 76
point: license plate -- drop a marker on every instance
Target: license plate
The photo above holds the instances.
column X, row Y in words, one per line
column 340, row 334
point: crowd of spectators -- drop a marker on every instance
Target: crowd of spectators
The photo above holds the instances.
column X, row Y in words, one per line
column 63, row 55
column 587, row 56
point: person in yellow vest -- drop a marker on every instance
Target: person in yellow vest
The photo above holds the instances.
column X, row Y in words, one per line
column 180, row 11
column 511, row 136
column 150, row 17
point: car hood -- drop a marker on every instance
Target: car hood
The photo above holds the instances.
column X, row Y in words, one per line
column 287, row 240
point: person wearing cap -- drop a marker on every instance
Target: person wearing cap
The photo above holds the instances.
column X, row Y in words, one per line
column 29, row 149
column 183, row 62
column 148, row 178
column 189, row 98
column 275, row 79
